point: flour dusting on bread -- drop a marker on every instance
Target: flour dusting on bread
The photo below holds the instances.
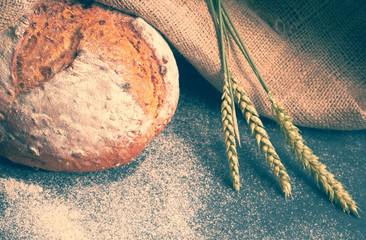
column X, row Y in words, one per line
column 93, row 114
column 167, row 64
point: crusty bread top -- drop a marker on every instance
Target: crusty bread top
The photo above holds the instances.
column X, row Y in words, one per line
column 58, row 32
column 106, row 88
column 48, row 46
column 168, row 68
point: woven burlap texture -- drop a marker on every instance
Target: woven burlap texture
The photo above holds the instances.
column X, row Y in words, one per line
column 310, row 53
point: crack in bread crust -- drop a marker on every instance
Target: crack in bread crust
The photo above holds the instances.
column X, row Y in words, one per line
column 90, row 94
column 58, row 31
column 48, row 46
column 124, row 50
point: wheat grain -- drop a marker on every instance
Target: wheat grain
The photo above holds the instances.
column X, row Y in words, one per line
column 324, row 179
column 262, row 138
column 227, row 106
column 229, row 137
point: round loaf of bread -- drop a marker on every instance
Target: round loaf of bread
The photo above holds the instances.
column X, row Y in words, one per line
column 82, row 88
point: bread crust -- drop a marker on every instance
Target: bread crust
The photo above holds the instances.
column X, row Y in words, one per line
column 113, row 85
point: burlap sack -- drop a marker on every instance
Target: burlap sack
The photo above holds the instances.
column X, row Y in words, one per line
column 311, row 53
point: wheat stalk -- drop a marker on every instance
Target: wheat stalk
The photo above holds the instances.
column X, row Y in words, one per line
column 224, row 25
column 229, row 137
column 324, row 179
column 228, row 115
column 262, row 138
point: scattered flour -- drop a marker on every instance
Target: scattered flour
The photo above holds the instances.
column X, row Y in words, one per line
column 158, row 200
column 178, row 188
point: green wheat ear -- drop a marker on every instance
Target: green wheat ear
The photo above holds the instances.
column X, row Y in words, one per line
column 324, row 179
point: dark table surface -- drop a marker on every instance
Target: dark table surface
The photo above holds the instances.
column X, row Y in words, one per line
column 179, row 188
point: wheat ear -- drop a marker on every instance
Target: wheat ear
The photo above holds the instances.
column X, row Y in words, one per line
column 262, row 138
column 229, row 135
column 324, row 179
